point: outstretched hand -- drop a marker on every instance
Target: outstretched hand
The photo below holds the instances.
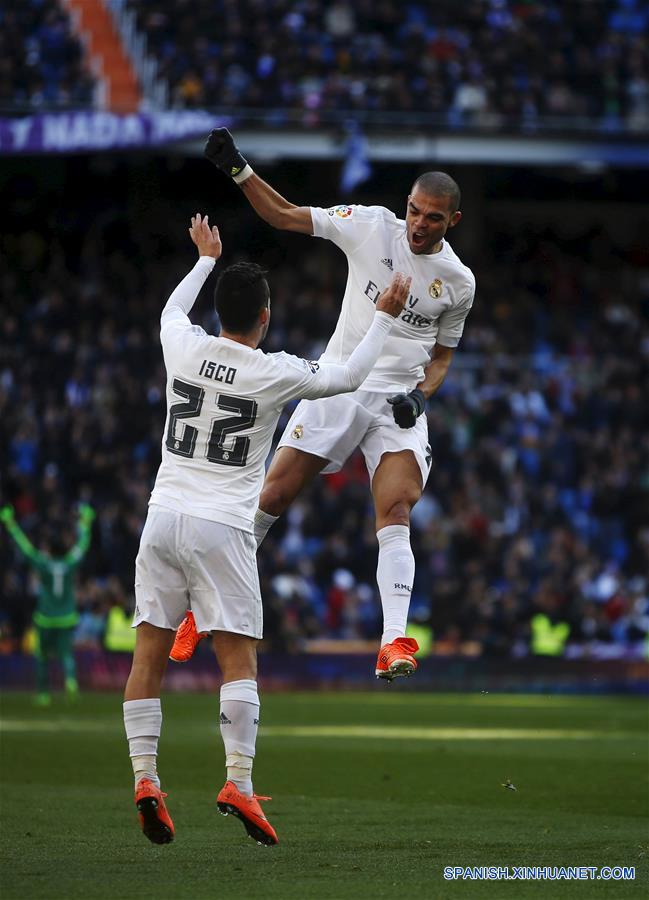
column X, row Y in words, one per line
column 86, row 513
column 393, row 299
column 7, row 514
column 206, row 239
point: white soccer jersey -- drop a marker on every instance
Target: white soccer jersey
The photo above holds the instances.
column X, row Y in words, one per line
column 375, row 243
column 223, row 403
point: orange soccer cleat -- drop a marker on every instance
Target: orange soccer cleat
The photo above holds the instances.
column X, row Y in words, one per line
column 397, row 658
column 232, row 802
column 155, row 820
column 187, row 639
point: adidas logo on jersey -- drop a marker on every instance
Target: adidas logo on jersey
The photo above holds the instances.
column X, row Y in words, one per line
column 387, row 262
column 224, row 719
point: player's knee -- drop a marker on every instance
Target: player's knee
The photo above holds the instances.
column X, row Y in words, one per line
column 241, row 669
column 236, row 655
column 397, row 513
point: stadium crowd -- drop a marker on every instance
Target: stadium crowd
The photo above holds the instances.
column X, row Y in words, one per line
column 537, row 505
column 42, row 64
column 485, row 63
column 492, row 64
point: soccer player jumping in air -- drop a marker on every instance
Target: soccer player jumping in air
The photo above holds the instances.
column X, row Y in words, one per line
column 384, row 417
column 224, row 397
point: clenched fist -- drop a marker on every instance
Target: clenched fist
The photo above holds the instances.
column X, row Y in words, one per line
column 221, row 150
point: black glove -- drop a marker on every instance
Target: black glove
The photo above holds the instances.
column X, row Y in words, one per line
column 406, row 408
column 221, row 150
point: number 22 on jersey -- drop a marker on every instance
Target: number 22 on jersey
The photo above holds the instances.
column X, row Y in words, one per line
column 221, row 447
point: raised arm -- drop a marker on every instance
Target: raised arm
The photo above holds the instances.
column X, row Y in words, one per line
column 84, row 533
column 24, row 544
column 274, row 209
column 267, row 203
column 208, row 242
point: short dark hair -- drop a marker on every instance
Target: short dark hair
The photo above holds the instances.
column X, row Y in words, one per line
column 439, row 184
column 240, row 294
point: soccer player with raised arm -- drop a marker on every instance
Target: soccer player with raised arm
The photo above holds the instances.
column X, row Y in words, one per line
column 55, row 616
column 224, row 397
column 384, row 417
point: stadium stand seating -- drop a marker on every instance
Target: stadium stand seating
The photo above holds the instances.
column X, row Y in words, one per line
column 488, row 64
column 496, row 64
column 42, row 62
column 121, row 85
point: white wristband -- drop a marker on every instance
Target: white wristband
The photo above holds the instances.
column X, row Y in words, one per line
column 243, row 175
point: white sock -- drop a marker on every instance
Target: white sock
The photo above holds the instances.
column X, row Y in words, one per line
column 394, row 574
column 239, row 723
column 143, row 722
column 263, row 523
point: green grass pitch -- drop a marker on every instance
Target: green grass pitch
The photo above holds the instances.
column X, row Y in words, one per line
column 374, row 793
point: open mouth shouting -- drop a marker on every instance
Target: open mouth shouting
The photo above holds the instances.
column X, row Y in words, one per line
column 419, row 239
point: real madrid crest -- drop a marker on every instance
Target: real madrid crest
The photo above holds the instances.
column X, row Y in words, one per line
column 435, row 289
column 297, row 432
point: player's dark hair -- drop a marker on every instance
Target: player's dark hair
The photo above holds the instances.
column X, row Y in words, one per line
column 439, row 184
column 240, row 294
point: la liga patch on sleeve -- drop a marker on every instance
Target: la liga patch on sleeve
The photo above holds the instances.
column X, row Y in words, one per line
column 342, row 212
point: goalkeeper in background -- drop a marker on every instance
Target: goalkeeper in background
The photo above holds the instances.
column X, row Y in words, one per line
column 55, row 616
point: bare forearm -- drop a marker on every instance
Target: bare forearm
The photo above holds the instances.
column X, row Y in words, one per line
column 275, row 209
column 264, row 199
column 434, row 376
column 435, row 371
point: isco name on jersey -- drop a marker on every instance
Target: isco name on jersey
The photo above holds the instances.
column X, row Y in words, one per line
column 217, row 371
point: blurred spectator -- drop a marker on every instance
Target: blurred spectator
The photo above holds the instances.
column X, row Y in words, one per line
column 494, row 64
column 42, row 63
column 119, row 636
column 487, row 63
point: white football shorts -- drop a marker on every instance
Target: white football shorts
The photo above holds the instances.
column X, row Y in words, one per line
column 334, row 426
column 189, row 563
